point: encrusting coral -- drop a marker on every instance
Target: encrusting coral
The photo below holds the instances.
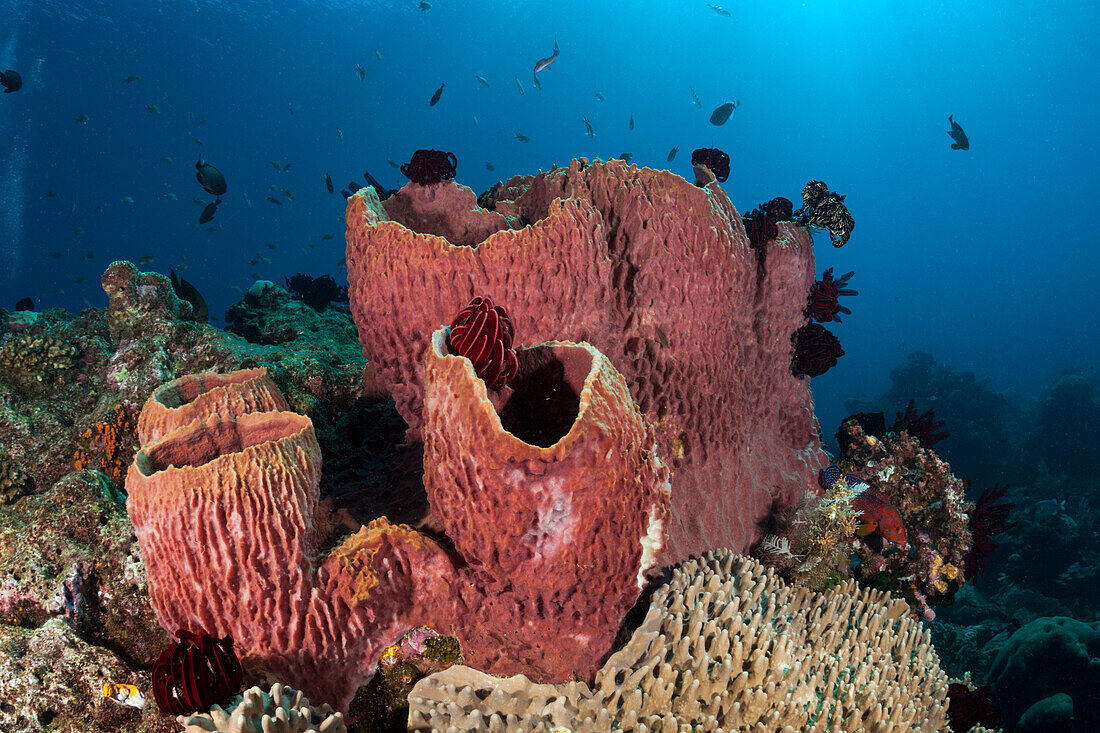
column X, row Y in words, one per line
column 33, row 362
column 725, row 645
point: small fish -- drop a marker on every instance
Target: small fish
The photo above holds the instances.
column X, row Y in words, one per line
column 303, row 251
column 536, row 82
column 957, row 134
column 81, row 119
column 327, row 237
column 520, row 88
column 200, row 311
column 631, row 122
column 131, row 79
column 171, row 196
column 210, row 178
column 273, row 187
column 345, row 193
column 695, row 98
column 339, row 134
column 209, row 211
column 276, row 165
column 72, row 210
column 722, row 113
column 543, row 64
column 286, row 167
column 89, row 255
column 128, row 695
column 145, row 259
column 394, row 164
column 153, row 109
column 11, row 81
column 342, row 264
column 328, row 182
column 672, row 154
column 127, row 199
column 167, row 160
column 361, row 72
column 198, row 202
column 489, row 167
column 78, row 280
column 274, row 200
column 626, row 157
column 425, row 5
column 237, row 289
column 212, row 229
column 290, row 109
column 353, row 186
column 588, row 128
column 475, row 120
column 287, row 192
column 49, row 194
column 269, row 245
column 78, row 231
column 202, row 121
column 661, row 336
column 720, row 10
column 1049, row 507
column 522, row 138
column 483, row 81
column 436, row 96
column 197, row 140
column 378, row 54
column 600, row 96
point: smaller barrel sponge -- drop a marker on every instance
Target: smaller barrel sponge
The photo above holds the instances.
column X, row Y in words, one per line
column 282, row 710
column 35, row 363
column 726, row 645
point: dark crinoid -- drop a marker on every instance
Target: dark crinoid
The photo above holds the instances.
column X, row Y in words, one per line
column 482, row 332
column 815, row 350
column 317, row 292
column 779, row 208
column 968, row 708
column 824, row 304
column 989, row 518
column 714, row 159
column 923, row 427
column 759, row 227
column 430, row 166
column 195, row 672
column 823, row 208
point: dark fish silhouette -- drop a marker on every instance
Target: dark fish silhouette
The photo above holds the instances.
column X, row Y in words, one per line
column 353, row 186
column 344, row 193
column 275, row 201
column 361, row 72
column 631, row 122
column 200, row 311
column 328, row 182
column 381, row 190
column 957, row 134
column 210, row 178
column 11, row 81
column 26, row 304
column 721, row 114
column 436, row 96
column 208, row 212
column 672, row 154
column 131, row 79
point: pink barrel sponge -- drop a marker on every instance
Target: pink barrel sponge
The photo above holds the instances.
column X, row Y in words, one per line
column 658, row 275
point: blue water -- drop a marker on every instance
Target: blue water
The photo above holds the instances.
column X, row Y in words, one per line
column 985, row 258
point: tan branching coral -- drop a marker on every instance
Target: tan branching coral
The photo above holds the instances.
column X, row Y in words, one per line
column 726, row 645
column 282, row 710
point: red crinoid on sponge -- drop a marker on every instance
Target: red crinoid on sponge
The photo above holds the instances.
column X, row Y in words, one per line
column 482, row 332
column 430, row 166
column 195, row 672
column 759, row 227
column 815, row 350
column 824, row 304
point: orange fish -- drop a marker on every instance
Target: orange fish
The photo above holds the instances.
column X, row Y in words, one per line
column 879, row 515
column 545, row 63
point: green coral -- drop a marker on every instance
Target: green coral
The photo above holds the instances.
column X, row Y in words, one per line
column 13, row 481
column 35, row 363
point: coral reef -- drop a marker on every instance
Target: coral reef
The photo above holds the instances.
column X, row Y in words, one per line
column 655, row 273
column 14, row 482
column 725, row 645
column 1046, row 657
column 933, row 508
